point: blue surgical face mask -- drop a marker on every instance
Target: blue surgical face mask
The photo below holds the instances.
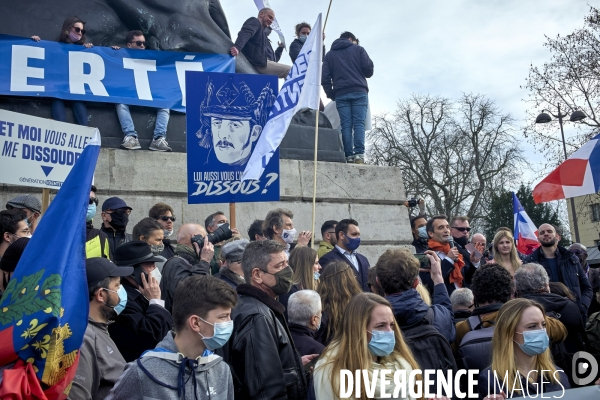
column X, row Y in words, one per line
column 91, row 212
column 535, row 342
column 222, row 334
column 352, row 243
column 382, row 343
column 302, row 38
column 423, row 232
column 316, row 275
column 122, row 293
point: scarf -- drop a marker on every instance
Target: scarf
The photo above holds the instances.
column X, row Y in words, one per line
column 456, row 274
column 187, row 253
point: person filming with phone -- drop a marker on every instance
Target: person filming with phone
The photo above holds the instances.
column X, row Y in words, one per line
column 192, row 257
column 144, row 321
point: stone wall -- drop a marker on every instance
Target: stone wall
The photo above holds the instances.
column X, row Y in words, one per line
column 370, row 194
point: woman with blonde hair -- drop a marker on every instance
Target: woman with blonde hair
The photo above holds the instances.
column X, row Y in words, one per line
column 505, row 252
column 305, row 264
column 520, row 354
column 368, row 339
column 337, row 285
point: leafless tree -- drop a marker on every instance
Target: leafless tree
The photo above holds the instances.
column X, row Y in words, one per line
column 453, row 154
column 570, row 79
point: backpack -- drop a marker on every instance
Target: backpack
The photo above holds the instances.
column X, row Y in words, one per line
column 475, row 350
column 429, row 347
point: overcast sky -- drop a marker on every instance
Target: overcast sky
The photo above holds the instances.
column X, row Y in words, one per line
column 438, row 47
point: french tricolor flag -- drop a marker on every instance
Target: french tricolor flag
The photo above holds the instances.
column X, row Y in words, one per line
column 525, row 230
column 577, row 176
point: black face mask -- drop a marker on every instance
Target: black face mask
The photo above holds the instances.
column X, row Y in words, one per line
column 119, row 220
column 462, row 241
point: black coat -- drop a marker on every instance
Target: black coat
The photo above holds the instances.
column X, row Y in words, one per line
column 570, row 273
column 273, row 55
column 304, row 339
column 175, row 269
column 345, row 69
column 447, row 267
column 169, row 250
column 140, row 326
column 284, row 298
column 419, row 246
column 469, row 269
column 363, row 264
column 252, row 41
column 115, row 239
column 261, row 353
column 568, row 313
column 295, row 48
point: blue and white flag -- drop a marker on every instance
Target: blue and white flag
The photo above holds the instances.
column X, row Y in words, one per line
column 305, row 73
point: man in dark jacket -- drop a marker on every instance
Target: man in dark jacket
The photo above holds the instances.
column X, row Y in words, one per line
column 304, row 314
column 418, row 226
column 264, row 361
column 398, row 275
column 115, row 217
column 348, row 240
column 189, row 260
column 252, row 41
column 562, row 266
column 144, row 322
column 163, row 214
column 345, row 69
column 531, row 282
column 231, row 270
column 460, row 231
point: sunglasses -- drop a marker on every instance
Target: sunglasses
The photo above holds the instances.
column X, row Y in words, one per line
column 462, row 229
column 165, row 218
column 93, row 200
column 139, row 43
column 79, row 30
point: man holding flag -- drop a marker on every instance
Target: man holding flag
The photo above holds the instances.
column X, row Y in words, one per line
column 44, row 309
column 562, row 266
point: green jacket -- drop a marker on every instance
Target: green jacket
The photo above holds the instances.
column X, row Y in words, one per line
column 324, row 248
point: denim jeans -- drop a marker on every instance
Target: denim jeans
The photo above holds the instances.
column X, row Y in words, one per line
column 352, row 108
column 79, row 111
column 160, row 128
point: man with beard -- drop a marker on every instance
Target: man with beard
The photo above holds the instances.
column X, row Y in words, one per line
column 115, row 217
column 100, row 362
column 329, row 240
column 562, row 266
column 460, row 231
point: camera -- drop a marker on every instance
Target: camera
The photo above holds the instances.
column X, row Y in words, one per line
column 412, row 202
column 222, row 233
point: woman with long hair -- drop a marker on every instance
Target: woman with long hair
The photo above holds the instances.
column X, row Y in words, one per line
column 520, row 354
column 368, row 339
column 72, row 32
column 337, row 285
column 505, row 252
column 305, row 264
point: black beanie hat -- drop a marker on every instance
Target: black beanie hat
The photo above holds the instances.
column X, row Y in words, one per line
column 13, row 254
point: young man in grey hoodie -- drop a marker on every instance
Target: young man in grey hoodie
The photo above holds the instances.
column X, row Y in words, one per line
column 183, row 365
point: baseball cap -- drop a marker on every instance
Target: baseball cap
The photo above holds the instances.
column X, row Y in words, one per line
column 99, row 268
column 114, row 203
column 233, row 251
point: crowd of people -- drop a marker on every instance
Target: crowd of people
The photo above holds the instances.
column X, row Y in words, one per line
column 268, row 317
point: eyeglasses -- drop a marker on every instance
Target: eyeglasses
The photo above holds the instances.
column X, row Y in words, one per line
column 93, row 200
column 165, row 218
column 79, row 30
column 139, row 43
column 330, row 232
column 461, row 229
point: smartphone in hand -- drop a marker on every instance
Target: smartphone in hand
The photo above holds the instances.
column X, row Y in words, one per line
column 424, row 262
column 473, row 250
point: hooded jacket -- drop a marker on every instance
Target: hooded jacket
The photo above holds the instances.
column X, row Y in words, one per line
column 570, row 273
column 156, row 378
column 345, row 69
column 409, row 308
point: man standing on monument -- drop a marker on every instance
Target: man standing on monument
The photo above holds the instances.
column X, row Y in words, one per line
column 345, row 69
column 136, row 40
column 252, row 41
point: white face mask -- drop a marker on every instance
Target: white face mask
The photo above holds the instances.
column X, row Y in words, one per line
column 156, row 274
column 288, row 235
column 168, row 233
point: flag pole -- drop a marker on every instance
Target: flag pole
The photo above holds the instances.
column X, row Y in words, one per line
column 327, row 16
column 314, row 199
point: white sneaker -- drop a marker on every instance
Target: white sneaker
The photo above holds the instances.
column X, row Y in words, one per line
column 350, row 159
column 131, row 143
column 160, row 144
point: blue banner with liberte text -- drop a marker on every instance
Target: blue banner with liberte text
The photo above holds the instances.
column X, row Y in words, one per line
column 127, row 76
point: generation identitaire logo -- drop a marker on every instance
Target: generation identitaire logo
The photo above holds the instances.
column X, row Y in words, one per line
column 430, row 383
